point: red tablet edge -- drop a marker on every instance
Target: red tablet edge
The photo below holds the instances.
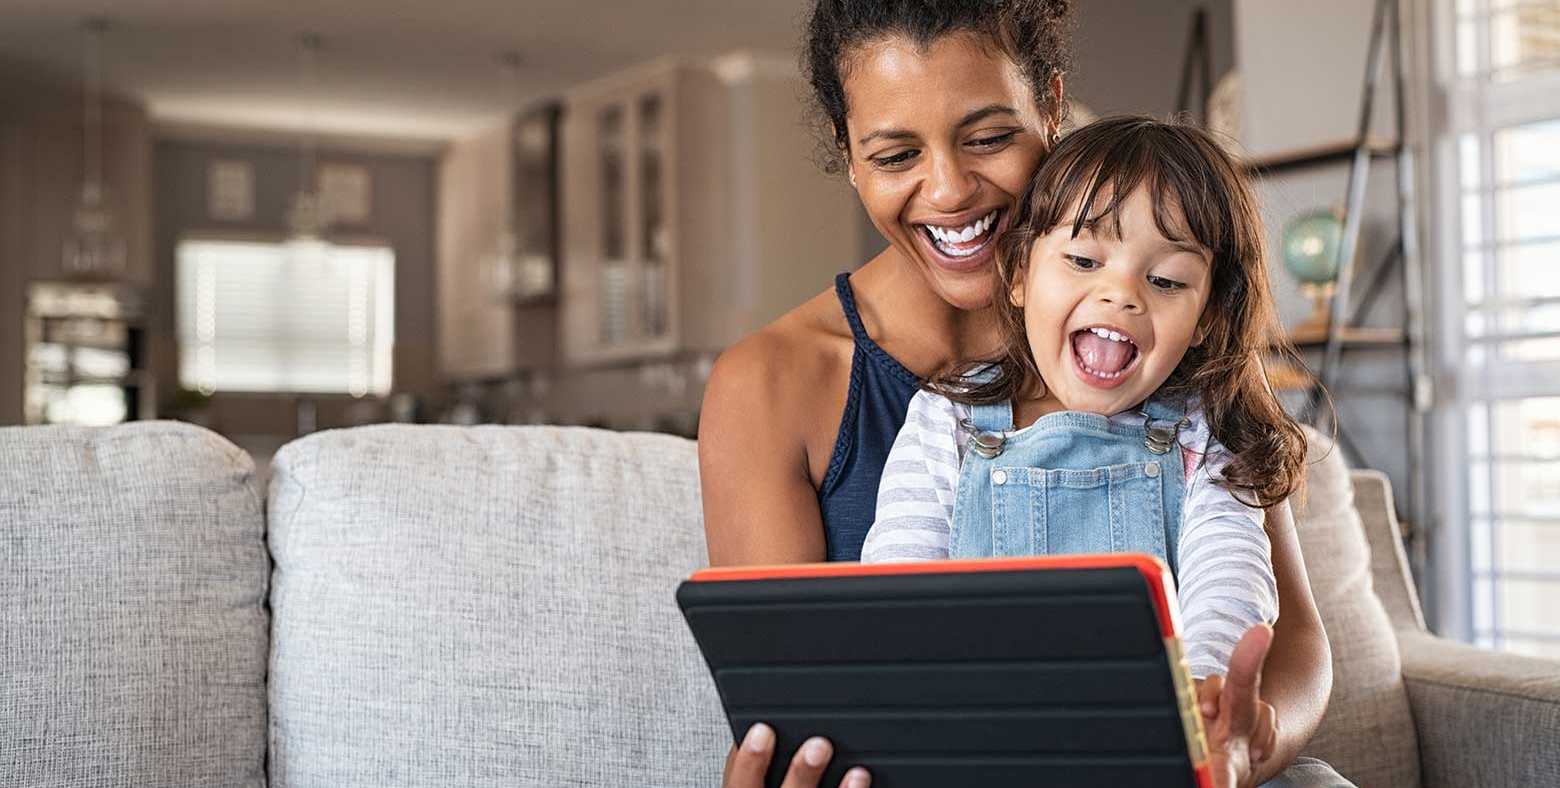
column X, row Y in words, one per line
column 1161, row 587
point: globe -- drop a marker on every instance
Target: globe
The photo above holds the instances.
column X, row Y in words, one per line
column 1310, row 247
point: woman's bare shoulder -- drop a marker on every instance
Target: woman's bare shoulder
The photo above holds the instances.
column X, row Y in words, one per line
column 782, row 388
column 788, row 357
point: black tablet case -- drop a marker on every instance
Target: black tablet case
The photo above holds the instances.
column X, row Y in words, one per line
column 1053, row 677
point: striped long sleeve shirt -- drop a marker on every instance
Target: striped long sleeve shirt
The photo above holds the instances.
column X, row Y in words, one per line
column 1225, row 578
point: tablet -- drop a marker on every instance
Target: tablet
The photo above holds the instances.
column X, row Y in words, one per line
column 1053, row 671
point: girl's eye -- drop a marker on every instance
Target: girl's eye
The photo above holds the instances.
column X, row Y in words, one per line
column 1082, row 263
column 995, row 141
column 897, row 160
column 1166, row 284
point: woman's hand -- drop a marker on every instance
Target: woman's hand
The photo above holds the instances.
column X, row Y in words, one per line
column 746, row 765
column 1242, row 730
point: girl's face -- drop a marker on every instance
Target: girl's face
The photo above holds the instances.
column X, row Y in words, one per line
column 1109, row 317
column 943, row 141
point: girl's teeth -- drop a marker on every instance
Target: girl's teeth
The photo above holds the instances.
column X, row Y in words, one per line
column 1105, row 333
column 1099, row 374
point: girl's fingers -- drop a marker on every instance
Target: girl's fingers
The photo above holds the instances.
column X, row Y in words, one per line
column 748, row 761
column 1266, row 736
column 808, row 764
column 1208, row 692
column 1243, row 682
column 857, row 777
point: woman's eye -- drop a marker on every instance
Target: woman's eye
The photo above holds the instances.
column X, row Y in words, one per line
column 994, row 141
column 1082, row 263
column 896, row 160
column 1166, row 284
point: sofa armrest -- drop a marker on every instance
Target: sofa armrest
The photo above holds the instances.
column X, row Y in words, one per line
column 1483, row 717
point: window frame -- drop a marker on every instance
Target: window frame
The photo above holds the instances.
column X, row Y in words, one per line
column 1470, row 103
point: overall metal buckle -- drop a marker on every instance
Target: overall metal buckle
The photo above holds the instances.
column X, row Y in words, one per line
column 1160, row 435
column 987, row 444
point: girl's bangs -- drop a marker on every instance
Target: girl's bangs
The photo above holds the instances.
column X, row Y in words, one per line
column 1102, row 171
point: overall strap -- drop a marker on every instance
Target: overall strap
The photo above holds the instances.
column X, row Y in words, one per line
column 992, row 417
column 1161, row 409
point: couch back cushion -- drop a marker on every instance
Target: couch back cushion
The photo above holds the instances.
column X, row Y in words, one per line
column 1368, row 733
column 487, row 606
column 133, row 629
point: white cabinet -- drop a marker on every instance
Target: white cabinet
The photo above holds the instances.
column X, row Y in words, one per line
column 693, row 212
column 623, row 234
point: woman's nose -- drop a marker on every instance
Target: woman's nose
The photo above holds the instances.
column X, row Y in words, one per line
column 950, row 185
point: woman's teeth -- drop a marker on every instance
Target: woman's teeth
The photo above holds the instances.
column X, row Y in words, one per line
column 946, row 237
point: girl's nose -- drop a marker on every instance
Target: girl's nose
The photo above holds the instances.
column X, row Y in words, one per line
column 1121, row 296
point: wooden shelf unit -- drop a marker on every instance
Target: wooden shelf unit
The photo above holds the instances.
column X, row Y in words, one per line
column 1339, row 152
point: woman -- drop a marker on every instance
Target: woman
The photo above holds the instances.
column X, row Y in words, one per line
column 940, row 113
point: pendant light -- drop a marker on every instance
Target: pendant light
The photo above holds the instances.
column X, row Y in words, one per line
column 94, row 249
column 305, row 220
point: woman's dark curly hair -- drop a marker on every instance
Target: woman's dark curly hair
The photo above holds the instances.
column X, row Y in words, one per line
column 1032, row 33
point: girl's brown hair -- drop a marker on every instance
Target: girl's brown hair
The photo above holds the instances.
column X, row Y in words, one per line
column 1196, row 190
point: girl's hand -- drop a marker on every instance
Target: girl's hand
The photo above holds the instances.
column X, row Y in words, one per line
column 746, row 765
column 1266, row 735
column 1243, row 730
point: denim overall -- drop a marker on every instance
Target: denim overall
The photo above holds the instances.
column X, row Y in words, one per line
column 1080, row 483
column 1072, row 483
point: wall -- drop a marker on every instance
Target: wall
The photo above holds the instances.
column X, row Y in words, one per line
column 402, row 216
column 41, row 164
column 481, row 336
column 798, row 239
column 1127, row 53
column 475, row 339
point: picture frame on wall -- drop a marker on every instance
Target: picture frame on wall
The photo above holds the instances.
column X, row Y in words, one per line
column 536, row 203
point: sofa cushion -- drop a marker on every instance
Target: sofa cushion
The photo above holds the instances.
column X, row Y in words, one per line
column 1368, row 733
column 133, row 635
column 487, row 606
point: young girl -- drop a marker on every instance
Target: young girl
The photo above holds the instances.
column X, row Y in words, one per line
column 1128, row 410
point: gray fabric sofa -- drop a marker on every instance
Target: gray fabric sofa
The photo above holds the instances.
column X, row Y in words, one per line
column 439, row 606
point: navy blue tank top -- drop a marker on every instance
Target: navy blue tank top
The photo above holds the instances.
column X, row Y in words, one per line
column 880, row 392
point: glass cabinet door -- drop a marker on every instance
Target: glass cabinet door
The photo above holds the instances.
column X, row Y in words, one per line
column 612, row 295
column 626, row 224
column 653, row 236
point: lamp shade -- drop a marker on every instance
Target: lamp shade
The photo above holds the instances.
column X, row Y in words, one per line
column 1310, row 247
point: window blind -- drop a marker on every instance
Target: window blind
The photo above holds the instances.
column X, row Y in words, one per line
column 274, row 317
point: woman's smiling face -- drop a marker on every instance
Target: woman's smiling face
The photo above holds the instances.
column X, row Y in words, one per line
column 943, row 141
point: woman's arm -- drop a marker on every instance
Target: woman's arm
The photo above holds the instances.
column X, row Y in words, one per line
column 1297, row 678
column 760, row 506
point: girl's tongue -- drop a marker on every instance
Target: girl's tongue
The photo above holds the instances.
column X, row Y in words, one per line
column 1100, row 354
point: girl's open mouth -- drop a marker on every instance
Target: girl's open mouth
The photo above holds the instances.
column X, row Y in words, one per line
column 1104, row 356
column 965, row 247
